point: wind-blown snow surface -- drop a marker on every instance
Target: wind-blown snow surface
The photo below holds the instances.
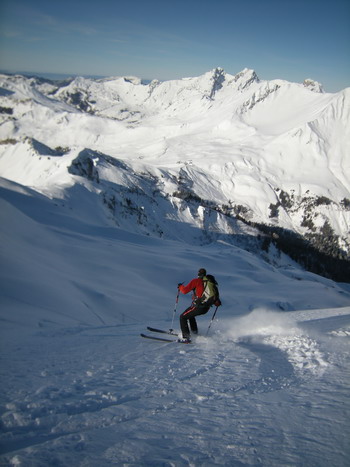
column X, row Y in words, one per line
column 79, row 386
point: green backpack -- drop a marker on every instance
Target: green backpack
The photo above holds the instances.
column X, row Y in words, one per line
column 211, row 291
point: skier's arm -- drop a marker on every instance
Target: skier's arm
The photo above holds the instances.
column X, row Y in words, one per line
column 196, row 284
column 187, row 288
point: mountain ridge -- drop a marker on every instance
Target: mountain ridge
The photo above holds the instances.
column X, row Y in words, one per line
column 272, row 152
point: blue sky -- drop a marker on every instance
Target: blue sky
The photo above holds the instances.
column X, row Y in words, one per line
column 288, row 39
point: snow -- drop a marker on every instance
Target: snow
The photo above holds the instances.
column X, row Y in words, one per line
column 94, row 243
column 81, row 387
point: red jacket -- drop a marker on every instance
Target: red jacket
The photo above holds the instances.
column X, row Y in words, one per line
column 196, row 284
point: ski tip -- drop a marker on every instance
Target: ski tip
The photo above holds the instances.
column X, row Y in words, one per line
column 171, row 332
column 159, row 339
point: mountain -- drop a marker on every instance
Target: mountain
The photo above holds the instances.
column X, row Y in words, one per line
column 111, row 193
column 224, row 153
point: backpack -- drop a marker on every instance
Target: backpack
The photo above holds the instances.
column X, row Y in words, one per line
column 211, row 291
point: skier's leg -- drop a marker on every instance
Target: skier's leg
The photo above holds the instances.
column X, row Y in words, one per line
column 193, row 325
column 190, row 315
column 184, row 324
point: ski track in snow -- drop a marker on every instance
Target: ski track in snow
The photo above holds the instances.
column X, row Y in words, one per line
column 103, row 396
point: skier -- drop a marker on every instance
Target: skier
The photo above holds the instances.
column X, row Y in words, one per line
column 205, row 294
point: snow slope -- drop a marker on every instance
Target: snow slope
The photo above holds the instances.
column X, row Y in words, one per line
column 81, row 387
column 112, row 192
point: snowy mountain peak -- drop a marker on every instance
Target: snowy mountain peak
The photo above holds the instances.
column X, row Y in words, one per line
column 313, row 85
column 211, row 147
column 217, row 79
column 245, row 78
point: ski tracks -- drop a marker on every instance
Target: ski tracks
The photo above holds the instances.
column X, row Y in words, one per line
column 104, row 395
column 75, row 390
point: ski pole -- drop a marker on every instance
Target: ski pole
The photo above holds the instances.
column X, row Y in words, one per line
column 176, row 302
column 216, row 309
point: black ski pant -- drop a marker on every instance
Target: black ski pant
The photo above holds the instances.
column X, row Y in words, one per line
column 189, row 316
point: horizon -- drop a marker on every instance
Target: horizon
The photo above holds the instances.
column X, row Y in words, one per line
column 168, row 41
column 63, row 76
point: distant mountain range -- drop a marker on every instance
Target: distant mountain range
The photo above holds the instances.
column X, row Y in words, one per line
column 260, row 164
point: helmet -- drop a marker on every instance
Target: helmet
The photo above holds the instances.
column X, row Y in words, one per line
column 202, row 272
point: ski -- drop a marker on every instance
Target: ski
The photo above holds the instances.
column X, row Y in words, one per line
column 170, row 331
column 162, row 339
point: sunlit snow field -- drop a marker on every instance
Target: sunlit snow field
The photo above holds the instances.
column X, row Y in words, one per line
column 81, row 387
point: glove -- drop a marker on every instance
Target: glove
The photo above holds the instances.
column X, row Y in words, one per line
column 178, row 285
